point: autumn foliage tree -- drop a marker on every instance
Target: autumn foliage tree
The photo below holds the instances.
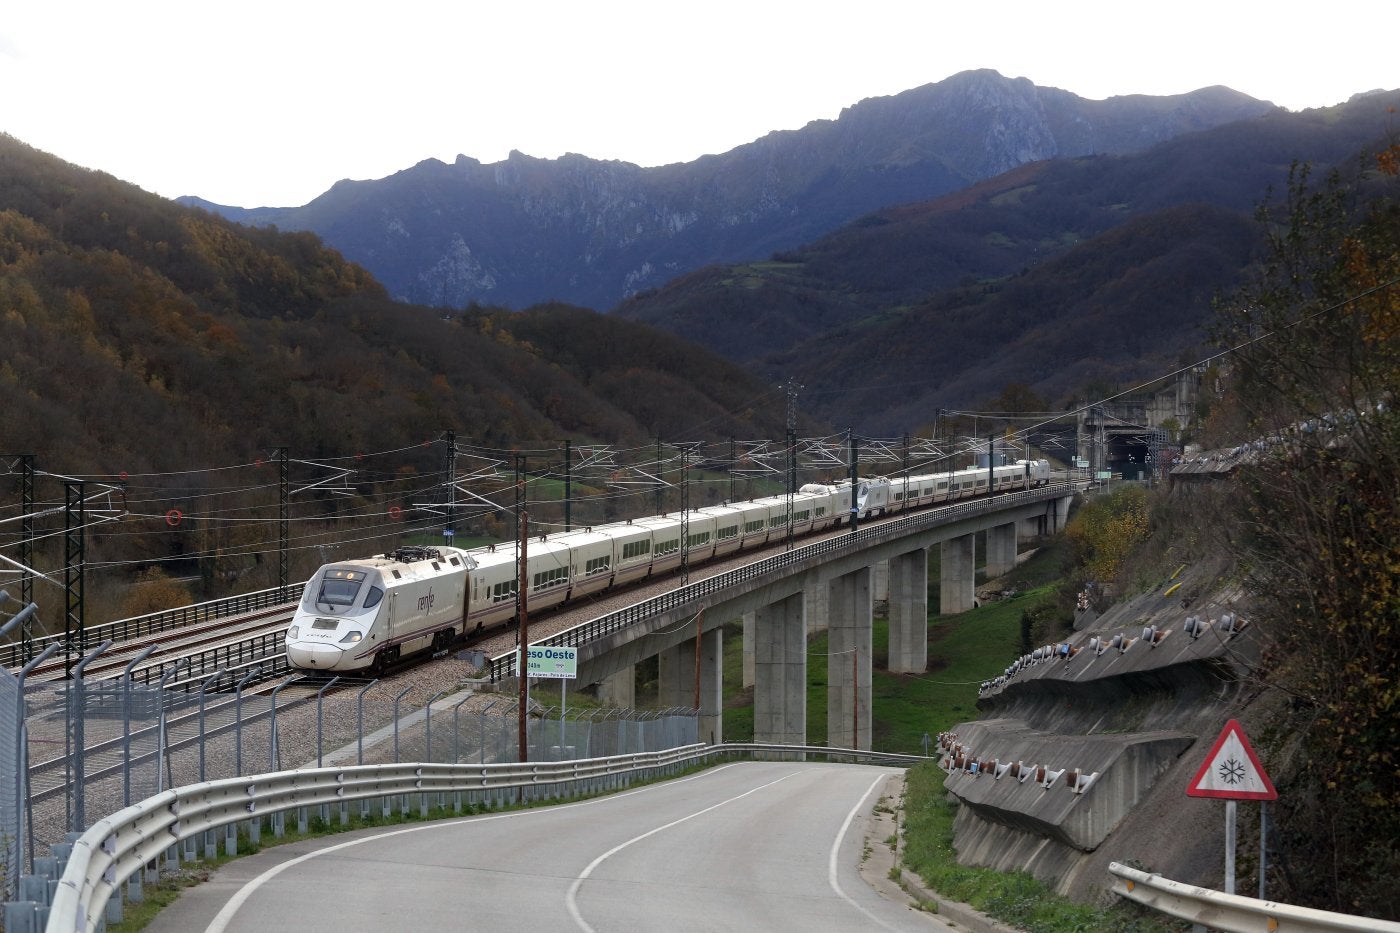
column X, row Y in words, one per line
column 1318, row 373
column 1105, row 532
column 154, row 591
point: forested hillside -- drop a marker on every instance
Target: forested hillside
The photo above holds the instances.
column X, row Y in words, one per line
column 139, row 334
column 149, row 346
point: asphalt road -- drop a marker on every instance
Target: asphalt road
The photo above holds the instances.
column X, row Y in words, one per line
column 768, row 846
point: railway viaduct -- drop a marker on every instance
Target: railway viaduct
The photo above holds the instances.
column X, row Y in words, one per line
column 830, row 585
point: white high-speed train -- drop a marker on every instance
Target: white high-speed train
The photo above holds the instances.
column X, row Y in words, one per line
column 368, row 613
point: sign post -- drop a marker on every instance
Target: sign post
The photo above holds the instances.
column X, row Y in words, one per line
column 1232, row 772
column 556, row 663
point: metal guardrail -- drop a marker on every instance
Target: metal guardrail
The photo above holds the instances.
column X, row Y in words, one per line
column 13, row 654
column 116, row 848
column 1233, row 913
column 503, row 666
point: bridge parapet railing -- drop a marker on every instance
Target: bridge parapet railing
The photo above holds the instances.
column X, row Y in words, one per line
column 503, row 666
column 16, row 653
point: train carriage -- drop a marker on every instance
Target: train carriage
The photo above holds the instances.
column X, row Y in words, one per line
column 777, row 516
column 753, row 524
column 665, row 541
column 494, row 581
column 825, row 509
column 699, row 535
column 548, row 571
column 729, row 521
column 591, row 559
column 368, row 613
column 904, row 493
column 631, row 550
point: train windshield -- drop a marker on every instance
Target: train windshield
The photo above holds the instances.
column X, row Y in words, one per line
column 339, row 587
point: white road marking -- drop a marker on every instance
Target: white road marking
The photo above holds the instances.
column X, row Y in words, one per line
column 572, row 899
column 831, row 861
column 221, row 920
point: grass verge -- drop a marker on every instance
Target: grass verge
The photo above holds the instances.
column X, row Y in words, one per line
column 1014, row 898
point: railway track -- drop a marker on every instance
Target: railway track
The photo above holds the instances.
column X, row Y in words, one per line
column 125, row 740
column 163, row 650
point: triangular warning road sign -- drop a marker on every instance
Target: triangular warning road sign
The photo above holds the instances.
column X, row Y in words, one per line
column 1232, row 771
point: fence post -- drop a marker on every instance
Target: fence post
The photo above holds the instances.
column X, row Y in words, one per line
column 161, row 749
column 126, row 724
column 403, row 693
column 203, row 686
column 319, row 695
column 360, row 714
column 76, row 699
column 456, row 730
column 272, row 726
column 481, row 719
column 428, row 726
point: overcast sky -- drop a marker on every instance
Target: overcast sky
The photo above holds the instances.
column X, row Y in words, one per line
column 270, row 103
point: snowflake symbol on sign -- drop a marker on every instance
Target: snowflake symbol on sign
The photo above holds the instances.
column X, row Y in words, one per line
column 1232, row 771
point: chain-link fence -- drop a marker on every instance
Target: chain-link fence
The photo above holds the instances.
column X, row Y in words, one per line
column 12, row 783
column 97, row 747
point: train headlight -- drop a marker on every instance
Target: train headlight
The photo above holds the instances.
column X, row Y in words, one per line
column 350, row 638
column 294, row 632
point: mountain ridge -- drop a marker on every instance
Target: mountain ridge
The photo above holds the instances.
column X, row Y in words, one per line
column 1167, row 228
column 592, row 232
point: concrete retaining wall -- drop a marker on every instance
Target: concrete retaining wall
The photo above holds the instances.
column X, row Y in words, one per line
column 1133, row 717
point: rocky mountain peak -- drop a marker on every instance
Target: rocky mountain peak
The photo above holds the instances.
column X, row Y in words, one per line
column 593, row 232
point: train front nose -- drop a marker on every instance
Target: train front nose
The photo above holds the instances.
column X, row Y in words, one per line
column 314, row 657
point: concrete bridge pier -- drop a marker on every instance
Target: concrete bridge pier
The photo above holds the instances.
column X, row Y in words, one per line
column 676, row 680
column 880, row 582
column 619, row 690
column 850, row 623
column 712, row 686
column 675, row 676
column 815, row 600
column 908, row 613
column 958, row 577
column 748, row 649
column 1001, row 550
column 814, row 605
column 780, row 673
